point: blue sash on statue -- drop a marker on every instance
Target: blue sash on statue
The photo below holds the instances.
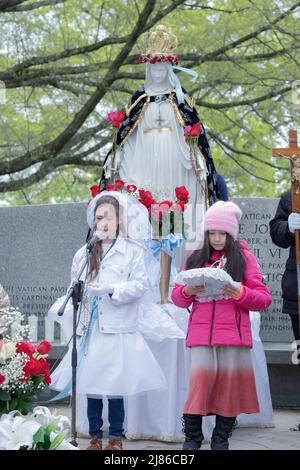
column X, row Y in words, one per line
column 168, row 245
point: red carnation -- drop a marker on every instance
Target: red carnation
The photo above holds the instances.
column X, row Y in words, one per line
column 2, row 379
column 95, row 190
column 182, row 194
column 44, row 347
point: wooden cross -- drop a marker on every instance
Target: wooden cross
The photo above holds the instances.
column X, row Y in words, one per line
column 292, row 153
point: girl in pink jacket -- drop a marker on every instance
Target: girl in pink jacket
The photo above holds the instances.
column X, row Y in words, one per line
column 221, row 380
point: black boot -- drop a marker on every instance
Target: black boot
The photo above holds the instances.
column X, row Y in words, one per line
column 221, row 433
column 192, row 428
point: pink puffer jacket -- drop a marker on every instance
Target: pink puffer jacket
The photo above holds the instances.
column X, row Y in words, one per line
column 226, row 322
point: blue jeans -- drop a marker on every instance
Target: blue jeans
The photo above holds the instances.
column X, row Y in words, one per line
column 116, row 415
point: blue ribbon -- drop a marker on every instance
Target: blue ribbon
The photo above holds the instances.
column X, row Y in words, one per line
column 168, row 245
column 81, row 351
column 188, row 71
column 176, row 82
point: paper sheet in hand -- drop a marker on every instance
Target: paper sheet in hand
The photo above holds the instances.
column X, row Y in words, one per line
column 213, row 280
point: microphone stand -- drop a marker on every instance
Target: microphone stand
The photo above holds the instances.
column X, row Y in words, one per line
column 75, row 291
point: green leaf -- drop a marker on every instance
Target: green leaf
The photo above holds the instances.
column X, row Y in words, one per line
column 37, row 379
column 51, row 426
column 4, row 395
column 39, row 435
column 58, row 440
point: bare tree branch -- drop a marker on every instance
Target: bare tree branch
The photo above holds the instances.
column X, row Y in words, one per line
column 33, row 61
column 7, row 6
column 48, row 151
column 250, row 101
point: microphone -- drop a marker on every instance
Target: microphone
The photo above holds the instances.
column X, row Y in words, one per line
column 98, row 235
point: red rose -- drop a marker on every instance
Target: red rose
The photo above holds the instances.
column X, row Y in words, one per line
column 195, row 131
column 179, row 206
column 146, row 198
column 147, row 201
column 165, row 206
column 25, row 347
column 152, row 61
column 44, row 347
column 182, row 194
column 131, row 188
column 2, row 379
column 95, row 190
column 47, row 378
column 115, row 117
column 119, row 184
column 110, row 187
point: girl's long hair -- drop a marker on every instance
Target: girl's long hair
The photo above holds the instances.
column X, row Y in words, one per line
column 94, row 263
column 235, row 261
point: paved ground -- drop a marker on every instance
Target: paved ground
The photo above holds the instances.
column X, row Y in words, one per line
column 281, row 437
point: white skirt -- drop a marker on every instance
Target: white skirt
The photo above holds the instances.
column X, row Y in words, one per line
column 114, row 365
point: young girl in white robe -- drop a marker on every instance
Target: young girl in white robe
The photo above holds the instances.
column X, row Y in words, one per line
column 113, row 357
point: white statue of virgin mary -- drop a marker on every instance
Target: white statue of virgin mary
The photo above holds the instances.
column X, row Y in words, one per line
column 152, row 152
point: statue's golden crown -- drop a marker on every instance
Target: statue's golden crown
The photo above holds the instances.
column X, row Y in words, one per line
column 160, row 41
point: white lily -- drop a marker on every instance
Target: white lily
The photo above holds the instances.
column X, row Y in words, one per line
column 16, row 431
column 43, row 415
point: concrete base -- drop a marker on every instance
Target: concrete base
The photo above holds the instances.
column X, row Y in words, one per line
column 284, row 385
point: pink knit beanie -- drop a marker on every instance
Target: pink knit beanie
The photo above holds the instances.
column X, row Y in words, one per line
column 223, row 216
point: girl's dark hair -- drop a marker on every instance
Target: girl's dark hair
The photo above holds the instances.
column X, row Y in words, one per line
column 94, row 263
column 235, row 261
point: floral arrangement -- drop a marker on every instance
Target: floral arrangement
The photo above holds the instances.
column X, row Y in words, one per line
column 153, row 58
column 166, row 216
column 191, row 133
column 39, row 431
column 24, row 372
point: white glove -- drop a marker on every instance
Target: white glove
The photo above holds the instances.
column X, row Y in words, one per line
column 294, row 222
column 99, row 289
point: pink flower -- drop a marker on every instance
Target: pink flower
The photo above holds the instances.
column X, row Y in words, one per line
column 187, row 131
